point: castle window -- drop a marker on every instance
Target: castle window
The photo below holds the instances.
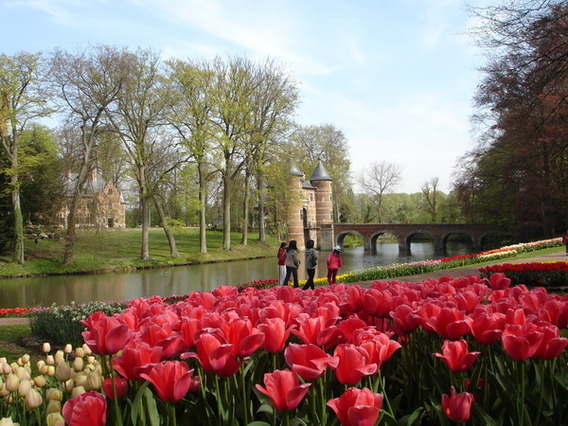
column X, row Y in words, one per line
column 311, row 197
column 110, row 191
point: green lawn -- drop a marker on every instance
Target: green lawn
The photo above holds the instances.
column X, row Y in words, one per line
column 112, row 250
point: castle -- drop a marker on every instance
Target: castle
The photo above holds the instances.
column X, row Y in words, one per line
column 310, row 210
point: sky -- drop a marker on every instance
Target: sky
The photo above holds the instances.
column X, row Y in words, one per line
column 397, row 77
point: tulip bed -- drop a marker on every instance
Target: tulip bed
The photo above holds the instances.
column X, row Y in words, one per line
column 435, row 352
column 534, row 274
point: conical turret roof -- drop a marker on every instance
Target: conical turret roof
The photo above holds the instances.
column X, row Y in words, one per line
column 320, row 173
column 295, row 172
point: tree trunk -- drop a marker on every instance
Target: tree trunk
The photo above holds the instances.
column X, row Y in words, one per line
column 18, row 223
column 261, row 223
column 244, row 237
column 167, row 230
column 202, row 216
column 226, row 211
column 71, row 232
column 145, row 211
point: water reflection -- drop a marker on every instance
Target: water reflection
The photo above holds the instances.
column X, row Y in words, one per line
column 61, row 290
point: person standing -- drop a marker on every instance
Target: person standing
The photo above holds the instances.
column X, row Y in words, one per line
column 311, row 262
column 333, row 264
column 565, row 241
column 281, row 256
column 292, row 263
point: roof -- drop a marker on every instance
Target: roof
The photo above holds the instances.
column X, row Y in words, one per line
column 295, row 172
column 320, row 173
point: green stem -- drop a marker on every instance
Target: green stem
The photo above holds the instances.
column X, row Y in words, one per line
column 115, row 396
column 172, row 419
column 245, row 395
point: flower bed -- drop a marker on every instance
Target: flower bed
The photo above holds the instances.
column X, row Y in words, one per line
column 466, row 349
column 533, row 274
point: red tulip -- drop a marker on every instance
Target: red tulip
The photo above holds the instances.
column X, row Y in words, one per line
column 499, row 281
column 245, row 338
column 135, row 358
column 316, row 331
column 405, row 318
column 457, row 407
column 487, row 327
column 354, row 363
column 380, row 348
column 284, row 389
column 87, row 409
column 120, row 384
column 552, row 344
column 163, row 335
column 171, row 379
column 450, row 323
column 275, row 334
column 357, row 407
column 309, row 361
column 215, row 356
column 521, row 341
column 105, row 335
column 456, row 355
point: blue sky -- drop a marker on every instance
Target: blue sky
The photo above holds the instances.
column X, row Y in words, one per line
column 396, row 76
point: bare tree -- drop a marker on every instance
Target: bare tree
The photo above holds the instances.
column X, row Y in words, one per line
column 85, row 83
column 430, row 196
column 137, row 116
column 20, row 101
column 190, row 115
column 379, row 179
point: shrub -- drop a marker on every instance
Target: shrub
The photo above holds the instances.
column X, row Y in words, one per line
column 62, row 324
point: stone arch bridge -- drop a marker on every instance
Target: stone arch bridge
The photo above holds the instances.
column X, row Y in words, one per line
column 404, row 233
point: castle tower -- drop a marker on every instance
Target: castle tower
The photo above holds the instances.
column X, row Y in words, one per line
column 295, row 208
column 321, row 180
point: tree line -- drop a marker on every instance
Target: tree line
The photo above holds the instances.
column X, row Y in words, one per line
column 517, row 173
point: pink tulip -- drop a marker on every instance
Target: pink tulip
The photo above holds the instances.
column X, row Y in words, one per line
column 456, row 355
column 284, row 389
column 354, row 364
column 357, row 407
column 105, row 335
column 87, row 409
column 309, row 361
column 457, row 407
column 171, row 379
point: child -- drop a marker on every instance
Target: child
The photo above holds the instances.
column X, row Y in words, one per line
column 333, row 264
column 281, row 263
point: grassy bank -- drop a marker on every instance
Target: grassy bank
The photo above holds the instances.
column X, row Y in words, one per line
column 120, row 250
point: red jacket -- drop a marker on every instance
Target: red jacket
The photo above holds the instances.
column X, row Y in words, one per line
column 281, row 256
column 333, row 261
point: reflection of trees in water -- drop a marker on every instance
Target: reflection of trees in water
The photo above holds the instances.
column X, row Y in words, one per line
column 62, row 290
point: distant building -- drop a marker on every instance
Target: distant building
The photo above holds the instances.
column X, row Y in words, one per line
column 101, row 205
column 310, row 213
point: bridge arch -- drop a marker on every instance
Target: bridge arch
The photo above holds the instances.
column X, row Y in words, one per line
column 404, row 233
column 341, row 236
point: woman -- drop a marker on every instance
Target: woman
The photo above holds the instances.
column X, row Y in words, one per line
column 292, row 263
column 333, row 264
column 311, row 263
column 281, row 256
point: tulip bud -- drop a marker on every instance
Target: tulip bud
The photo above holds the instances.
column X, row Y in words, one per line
column 51, row 370
column 78, row 390
column 78, row 364
column 46, row 347
column 80, row 379
column 86, row 349
column 3, row 391
column 23, row 373
column 94, row 381
column 24, row 387
column 14, row 366
column 39, row 381
column 53, row 406
column 53, row 394
column 79, row 353
column 69, row 385
column 3, row 360
column 50, row 360
column 12, row 382
column 55, row 419
column 63, row 372
column 43, row 369
column 25, row 359
column 91, row 359
column 6, row 369
column 7, row 421
column 59, row 357
column 68, row 348
column 33, row 399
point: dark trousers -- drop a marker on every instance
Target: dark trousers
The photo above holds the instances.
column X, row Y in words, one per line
column 331, row 274
column 310, row 280
column 294, row 273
